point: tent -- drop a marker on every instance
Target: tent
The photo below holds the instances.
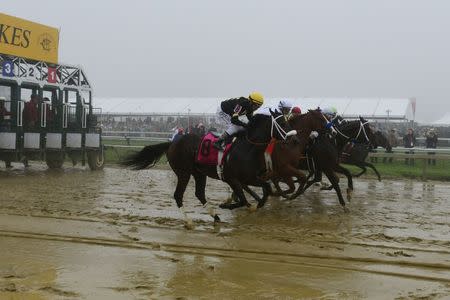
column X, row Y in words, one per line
column 371, row 108
column 445, row 120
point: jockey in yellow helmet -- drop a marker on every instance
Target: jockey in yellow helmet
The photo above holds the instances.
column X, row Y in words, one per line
column 229, row 112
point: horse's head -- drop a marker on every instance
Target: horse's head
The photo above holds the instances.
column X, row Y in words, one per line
column 264, row 127
column 313, row 120
column 357, row 131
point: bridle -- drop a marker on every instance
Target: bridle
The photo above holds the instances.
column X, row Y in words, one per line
column 329, row 125
column 362, row 129
column 275, row 125
column 284, row 135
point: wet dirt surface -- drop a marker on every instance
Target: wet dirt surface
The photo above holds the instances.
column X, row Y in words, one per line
column 117, row 234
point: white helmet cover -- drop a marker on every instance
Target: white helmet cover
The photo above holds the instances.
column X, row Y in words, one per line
column 285, row 104
column 327, row 111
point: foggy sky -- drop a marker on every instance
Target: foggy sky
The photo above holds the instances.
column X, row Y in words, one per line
column 281, row 48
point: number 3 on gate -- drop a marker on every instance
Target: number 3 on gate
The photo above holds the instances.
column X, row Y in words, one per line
column 8, row 68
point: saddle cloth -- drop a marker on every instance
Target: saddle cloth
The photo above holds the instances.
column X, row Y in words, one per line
column 208, row 154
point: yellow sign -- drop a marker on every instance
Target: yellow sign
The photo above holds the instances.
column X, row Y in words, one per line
column 27, row 39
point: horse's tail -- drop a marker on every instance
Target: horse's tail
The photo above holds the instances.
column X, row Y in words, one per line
column 148, row 156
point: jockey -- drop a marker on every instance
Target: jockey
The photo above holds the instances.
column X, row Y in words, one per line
column 296, row 111
column 229, row 112
column 284, row 107
column 331, row 114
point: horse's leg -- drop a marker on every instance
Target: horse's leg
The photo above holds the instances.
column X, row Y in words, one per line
column 362, row 167
column 237, row 189
column 200, row 184
column 183, row 180
column 301, row 179
column 335, row 183
column 267, row 190
column 347, row 173
column 374, row 169
column 317, row 178
column 252, row 193
column 279, row 191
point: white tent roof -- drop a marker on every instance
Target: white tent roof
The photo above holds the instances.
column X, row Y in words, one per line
column 368, row 107
column 445, row 120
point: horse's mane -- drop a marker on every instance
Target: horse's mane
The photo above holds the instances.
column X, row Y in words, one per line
column 302, row 116
column 349, row 124
column 258, row 118
column 257, row 121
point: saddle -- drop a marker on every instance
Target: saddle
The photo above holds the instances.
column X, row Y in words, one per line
column 207, row 154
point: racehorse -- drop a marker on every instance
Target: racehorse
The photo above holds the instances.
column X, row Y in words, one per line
column 243, row 166
column 304, row 124
column 357, row 154
column 325, row 153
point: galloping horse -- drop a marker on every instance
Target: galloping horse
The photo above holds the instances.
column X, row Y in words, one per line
column 325, row 155
column 243, row 165
column 304, row 124
column 357, row 154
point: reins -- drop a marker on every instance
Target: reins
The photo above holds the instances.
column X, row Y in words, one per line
column 361, row 129
column 279, row 129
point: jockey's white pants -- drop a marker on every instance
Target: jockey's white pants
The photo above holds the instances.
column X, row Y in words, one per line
column 225, row 119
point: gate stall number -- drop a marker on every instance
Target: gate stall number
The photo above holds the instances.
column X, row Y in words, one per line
column 31, row 72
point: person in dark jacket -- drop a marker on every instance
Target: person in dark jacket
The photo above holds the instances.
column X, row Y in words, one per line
column 229, row 112
column 431, row 143
column 393, row 142
column 179, row 132
column 409, row 141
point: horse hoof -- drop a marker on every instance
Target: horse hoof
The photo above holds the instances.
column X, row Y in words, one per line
column 346, row 210
column 349, row 194
column 216, row 219
column 189, row 225
column 252, row 207
column 230, row 205
column 261, row 203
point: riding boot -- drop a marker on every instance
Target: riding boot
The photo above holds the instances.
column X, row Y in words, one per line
column 221, row 142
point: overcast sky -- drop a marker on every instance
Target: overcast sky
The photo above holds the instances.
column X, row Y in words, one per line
column 281, row 48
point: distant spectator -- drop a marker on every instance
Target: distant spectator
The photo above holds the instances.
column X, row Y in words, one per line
column 409, row 141
column 393, row 138
column 179, row 132
column 199, row 130
column 5, row 116
column 30, row 113
column 393, row 142
column 431, row 143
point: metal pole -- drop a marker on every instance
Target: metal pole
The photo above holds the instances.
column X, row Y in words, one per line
column 189, row 121
column 388, row 111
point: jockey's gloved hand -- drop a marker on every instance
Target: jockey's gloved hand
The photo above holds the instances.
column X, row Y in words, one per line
column 313, row 135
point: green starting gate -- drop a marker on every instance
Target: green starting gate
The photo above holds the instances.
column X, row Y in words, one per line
column 59, row 122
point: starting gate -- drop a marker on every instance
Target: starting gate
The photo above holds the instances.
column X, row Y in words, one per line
column 46, row 113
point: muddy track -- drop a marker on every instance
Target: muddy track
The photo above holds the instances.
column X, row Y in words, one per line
column 396, row 234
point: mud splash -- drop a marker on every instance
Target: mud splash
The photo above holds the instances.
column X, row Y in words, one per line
column 394, row 242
